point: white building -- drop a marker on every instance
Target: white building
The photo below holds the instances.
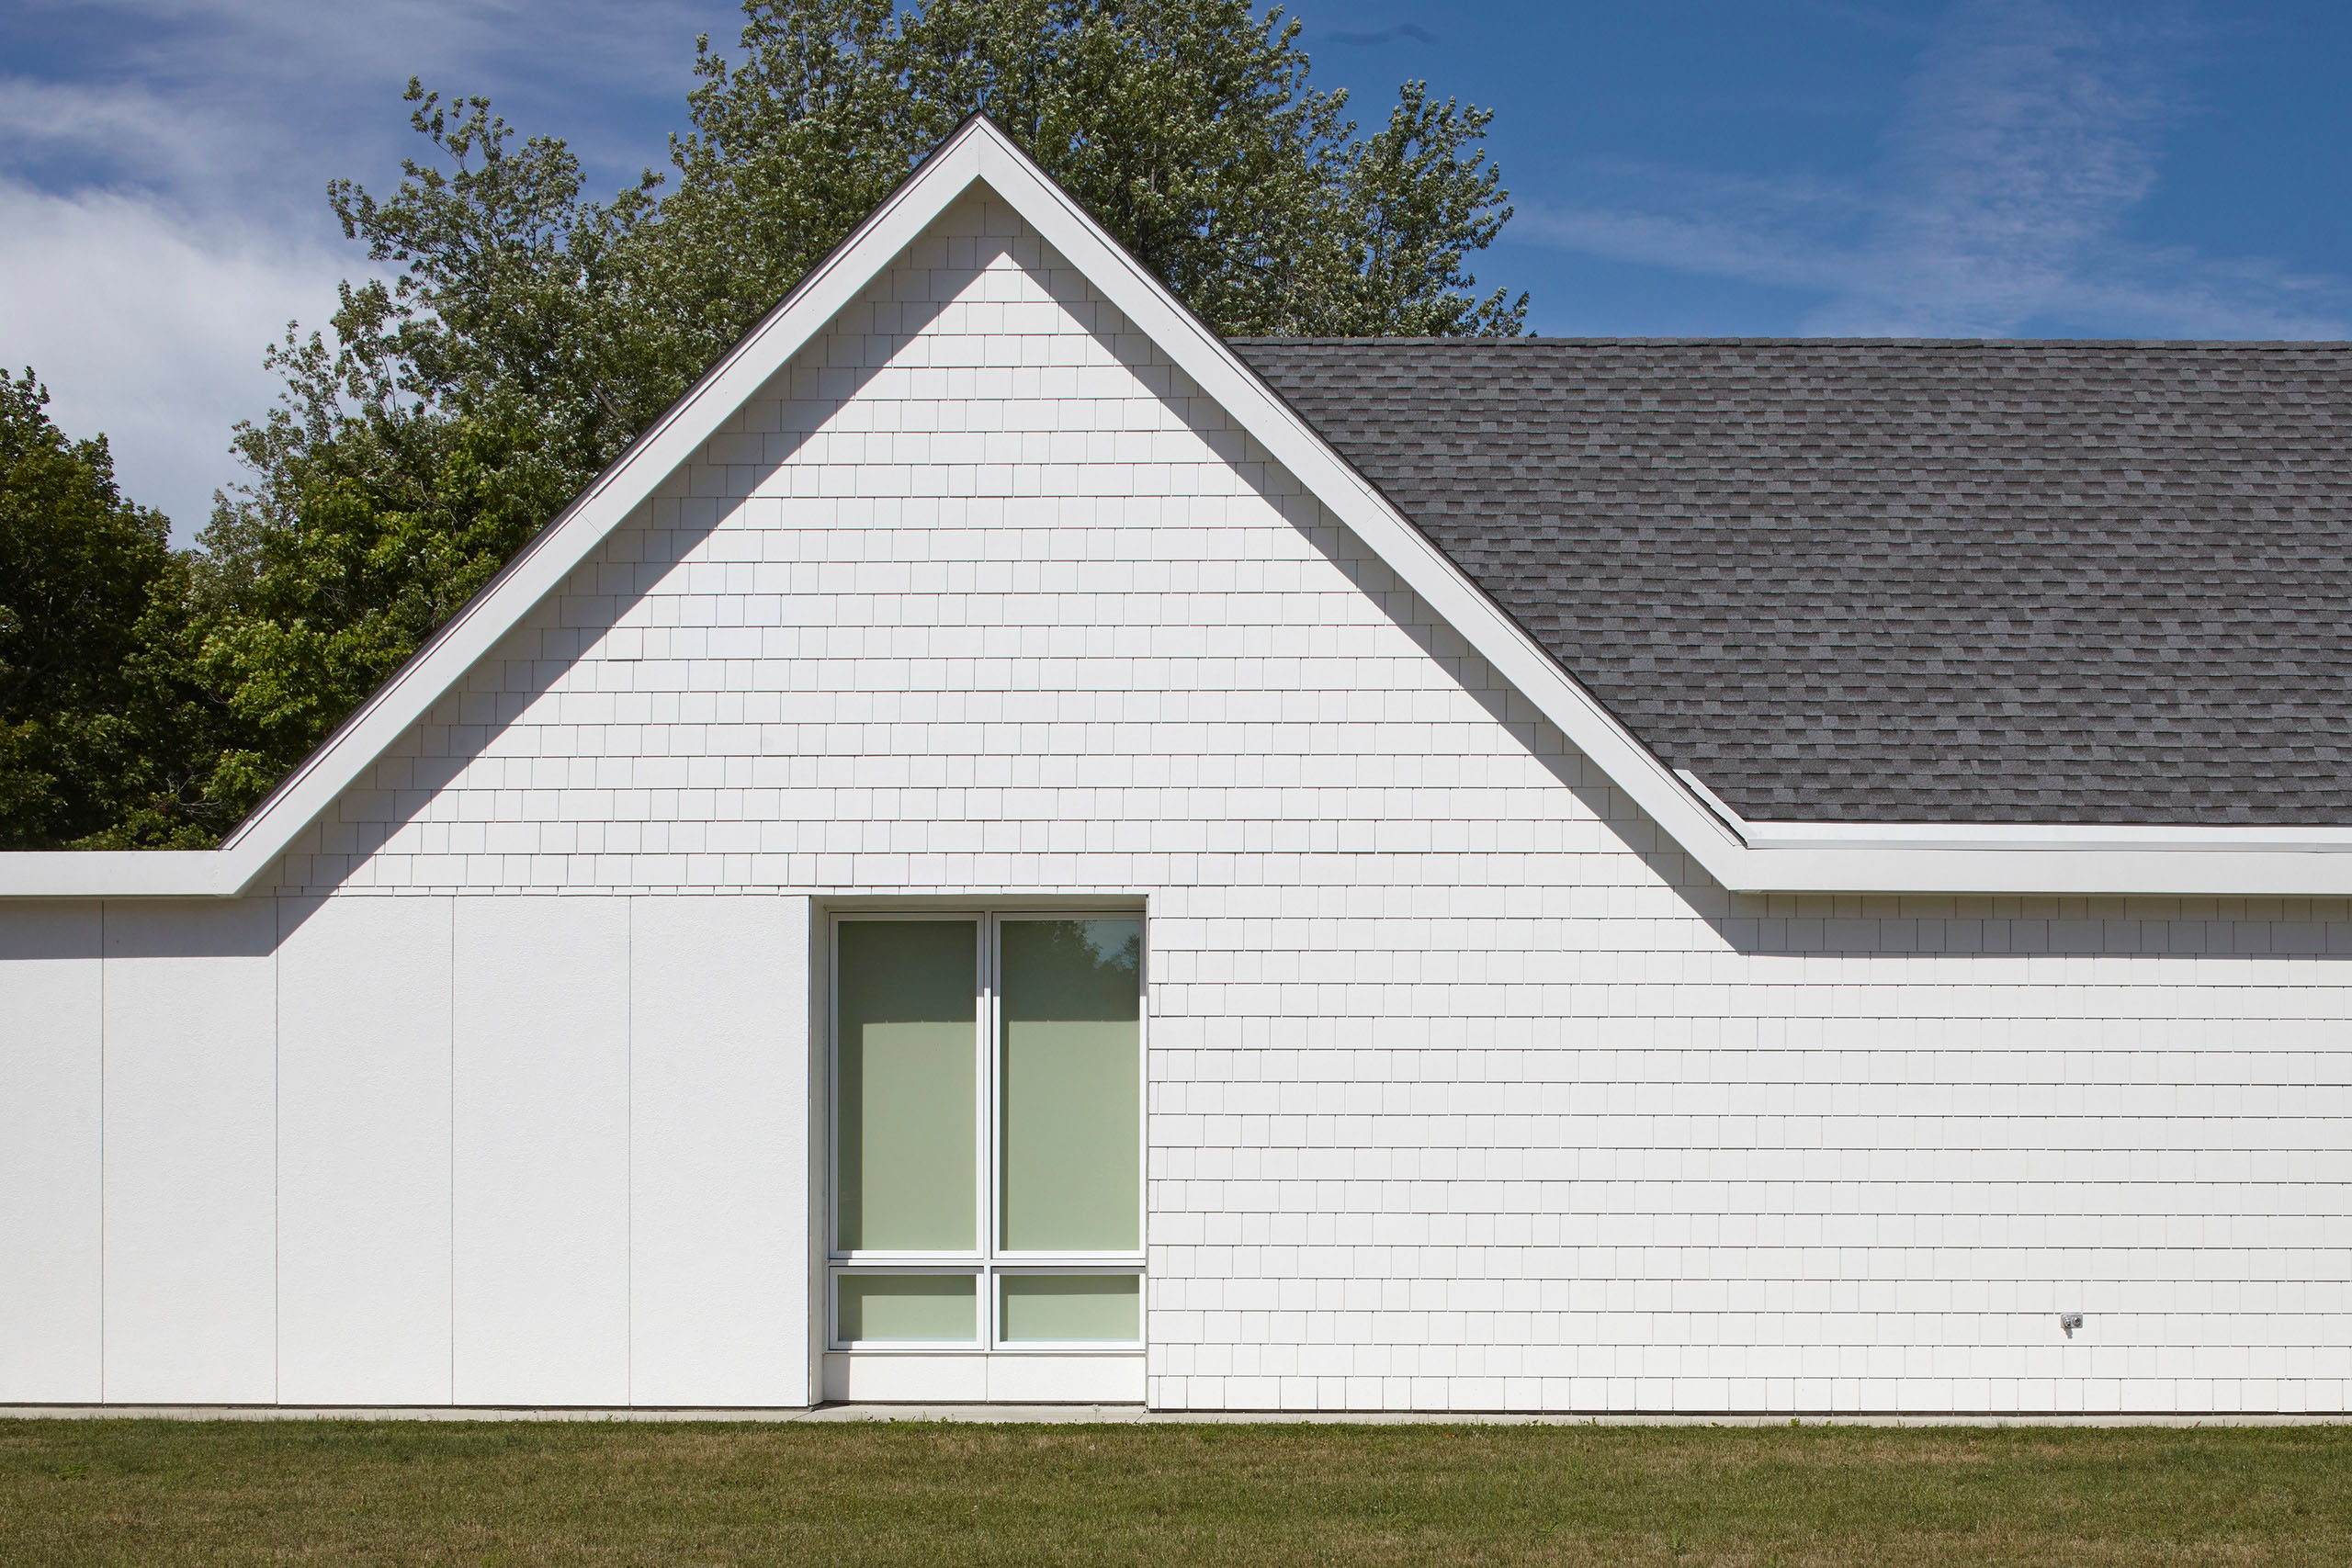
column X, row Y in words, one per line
column 989, row 859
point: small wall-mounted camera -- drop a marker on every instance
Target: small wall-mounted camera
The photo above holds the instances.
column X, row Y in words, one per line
column 2070, row 1321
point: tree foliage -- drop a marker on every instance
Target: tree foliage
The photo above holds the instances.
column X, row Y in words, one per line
column 92, row 705
column 376, row 516
column 1188, row 127
column 527, row 333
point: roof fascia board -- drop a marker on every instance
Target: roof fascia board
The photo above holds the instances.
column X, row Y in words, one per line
column 2071, row 869
column 1744, row 857
column 2040, row 836
column 2016, row 835
column 117, row 874
column 2036, row 857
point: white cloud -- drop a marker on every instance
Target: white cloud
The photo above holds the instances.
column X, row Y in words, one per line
column 149, row 327
column 267, row 82
column 130, row 127
column 163, row 165
column 1793, row 231
column 2029, row 134
column 2026, row 136
column 2176, row 293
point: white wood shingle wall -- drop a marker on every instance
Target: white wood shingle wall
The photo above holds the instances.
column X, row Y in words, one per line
column 1466, row 1092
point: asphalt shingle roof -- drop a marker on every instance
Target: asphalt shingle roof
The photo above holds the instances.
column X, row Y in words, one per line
column 1902, row 581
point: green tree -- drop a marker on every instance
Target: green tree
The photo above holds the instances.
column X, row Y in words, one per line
column 1187, row 127
column 95, row 710
column 457, row 408
column 376, row 518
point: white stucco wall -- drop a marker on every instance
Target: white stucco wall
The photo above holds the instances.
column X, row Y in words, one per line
column 412, row 1151
column 51, row 1099
column 1466, row 1090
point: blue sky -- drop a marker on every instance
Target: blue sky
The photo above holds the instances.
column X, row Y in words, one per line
column 2163, row 168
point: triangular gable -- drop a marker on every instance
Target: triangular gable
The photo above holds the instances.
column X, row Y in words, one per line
column 1741, row 856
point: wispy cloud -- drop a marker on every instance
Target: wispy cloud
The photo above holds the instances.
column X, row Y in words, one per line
column 2000, row 200
column 1407, row 30
column 2027, row 136
column 163, row 165
column 1795, row 231
column 130, row 129
column 148, row 327
column 292, row 86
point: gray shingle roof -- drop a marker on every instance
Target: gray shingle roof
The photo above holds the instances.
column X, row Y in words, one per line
column 1895, row 581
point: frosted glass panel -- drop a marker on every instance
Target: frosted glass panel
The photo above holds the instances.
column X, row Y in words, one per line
column 907, row 1004
column 1072, row 1085
column 907, row 1306
column 1071, row 1306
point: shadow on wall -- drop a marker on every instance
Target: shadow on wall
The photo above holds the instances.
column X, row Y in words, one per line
column 141, row 928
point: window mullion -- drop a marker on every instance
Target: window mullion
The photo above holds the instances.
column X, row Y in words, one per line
column 991, row 1119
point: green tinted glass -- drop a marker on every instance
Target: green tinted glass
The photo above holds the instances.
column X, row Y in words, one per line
column 906, row 1001
column 907, row 1306
column 1071, row 1306
column 1071, row 1084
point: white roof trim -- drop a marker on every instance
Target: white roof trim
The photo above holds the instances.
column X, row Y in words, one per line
column 2034, row 857
column 1714, row 803
column 1744, row 857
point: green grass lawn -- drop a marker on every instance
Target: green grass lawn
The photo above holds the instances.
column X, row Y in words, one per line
column 237, row 1492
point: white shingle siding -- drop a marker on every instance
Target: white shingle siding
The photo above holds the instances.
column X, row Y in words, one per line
column 1466, row 1090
